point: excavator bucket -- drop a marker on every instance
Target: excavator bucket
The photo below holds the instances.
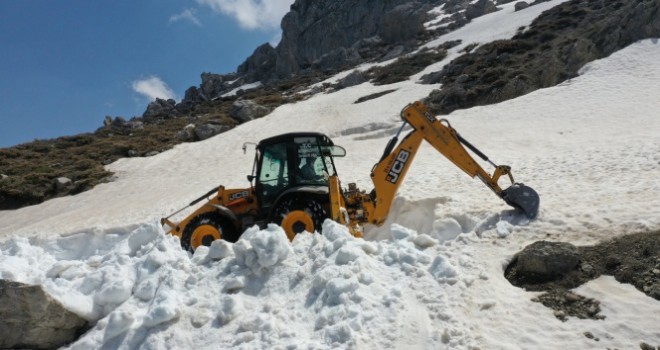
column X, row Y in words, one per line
column 523, row 198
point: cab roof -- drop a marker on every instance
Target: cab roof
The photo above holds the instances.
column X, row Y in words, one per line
column 324, row 140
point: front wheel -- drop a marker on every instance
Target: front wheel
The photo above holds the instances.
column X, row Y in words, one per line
column 206, row 228
column 299, row 214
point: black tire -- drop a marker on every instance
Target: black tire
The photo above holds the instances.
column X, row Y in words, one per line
column 214, row 219
column 312, row 206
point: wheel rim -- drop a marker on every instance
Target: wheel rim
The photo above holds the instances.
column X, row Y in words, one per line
column 204, row 235
column 296, row 222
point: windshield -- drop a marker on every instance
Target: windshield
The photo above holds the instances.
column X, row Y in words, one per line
column 314, row 162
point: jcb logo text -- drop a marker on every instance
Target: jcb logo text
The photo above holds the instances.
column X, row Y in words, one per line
column 397, row 167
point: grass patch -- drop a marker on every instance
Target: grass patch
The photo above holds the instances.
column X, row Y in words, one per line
column 32, row 168
column 404, row 67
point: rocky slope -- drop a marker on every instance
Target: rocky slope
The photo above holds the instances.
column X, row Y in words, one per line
column 551, row 50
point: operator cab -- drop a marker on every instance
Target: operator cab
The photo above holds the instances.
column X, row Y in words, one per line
column 291, row 161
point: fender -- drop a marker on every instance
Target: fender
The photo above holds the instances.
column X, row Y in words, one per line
column 320, row 191
column 226, row 212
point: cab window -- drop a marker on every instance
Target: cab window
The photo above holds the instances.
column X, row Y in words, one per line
column 274, row 175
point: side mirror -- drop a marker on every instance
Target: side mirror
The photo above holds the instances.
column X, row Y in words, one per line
column 246, row 144
column 251, row 178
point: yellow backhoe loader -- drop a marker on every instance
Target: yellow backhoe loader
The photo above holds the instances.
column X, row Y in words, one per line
column 294, row 183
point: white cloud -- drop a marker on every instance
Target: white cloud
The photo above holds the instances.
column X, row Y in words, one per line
column 186, row 15
column 252, row 14
column 153, row 87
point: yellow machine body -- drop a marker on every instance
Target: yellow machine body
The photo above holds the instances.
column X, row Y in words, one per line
column 351, row 206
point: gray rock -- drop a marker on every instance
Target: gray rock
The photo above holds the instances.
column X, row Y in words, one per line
column 107, row 121
column 187, row 134
column 33, row 319
column 151, row 154
column 644, row 346
column 393, row 53
column 119, row 121
column 403, row 22
column 206, row 131
column 259, row 64
column 339, row 58
column 116, row 122
column 160, row 108
column 588, row 269
column 246, row 110
column 132, row 153
column 356, row 77
column 215, row 85
column 3, row 176
column 62, row 183
column 135, row 124
column 480, row 8
column 373, row 46
column 544, row 261
column 521, row 5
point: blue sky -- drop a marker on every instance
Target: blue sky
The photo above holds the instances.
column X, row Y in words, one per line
column 65, row 65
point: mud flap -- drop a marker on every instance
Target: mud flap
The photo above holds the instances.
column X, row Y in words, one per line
column 523, row 198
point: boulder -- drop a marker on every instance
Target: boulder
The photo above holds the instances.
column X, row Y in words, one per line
column 187, row 134
column 206, row 131
column 480, row 8
column 356, row 77
column 3, row 176
column 33, row 319
column 521, row 5
column 135, row 124
column 403, row 22
column 160, row 108
column 62, row 183
column 543, row 261
column 246, row 110
column 107, row 121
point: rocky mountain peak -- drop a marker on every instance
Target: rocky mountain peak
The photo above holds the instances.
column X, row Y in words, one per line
column 329, row 35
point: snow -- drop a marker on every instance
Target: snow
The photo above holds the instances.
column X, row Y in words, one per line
column 430, row 278
column 242, row 87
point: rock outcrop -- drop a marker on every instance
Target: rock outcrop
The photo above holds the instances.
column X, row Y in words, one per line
column 479, row 8
column 160, row 108
column 554, row 47
column 246, row 110
column 329, row 35
column 543, row 261
column 33, row 319
column 331, row 31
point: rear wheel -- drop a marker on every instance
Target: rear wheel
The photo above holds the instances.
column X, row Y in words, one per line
column 206, row 228
column 298, row 214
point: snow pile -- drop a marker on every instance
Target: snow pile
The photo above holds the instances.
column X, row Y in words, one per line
column 330, row 290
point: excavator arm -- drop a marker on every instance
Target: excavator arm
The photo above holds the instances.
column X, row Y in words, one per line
column 388, row 174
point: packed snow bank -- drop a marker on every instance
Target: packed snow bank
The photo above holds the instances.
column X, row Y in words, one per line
column 321, row 291
column 324, row 291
